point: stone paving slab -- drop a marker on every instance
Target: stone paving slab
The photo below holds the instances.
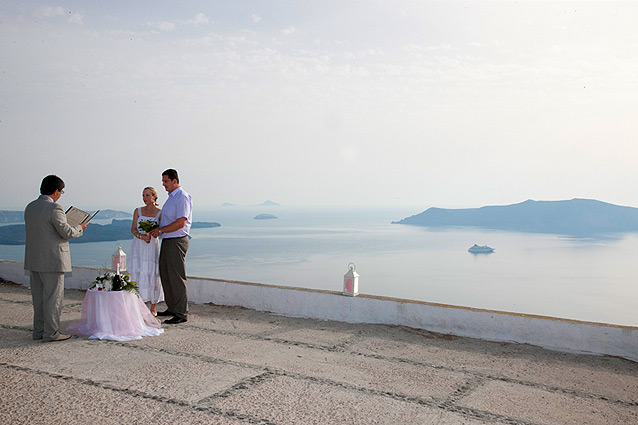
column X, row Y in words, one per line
column 515, row 362
column 539, row 406
column 323, row 337
column 231, row 365
column 10, row 314
column 32, row 397
column 319, row 403
column 240, row 321
column 377, row 374
column 188, row 379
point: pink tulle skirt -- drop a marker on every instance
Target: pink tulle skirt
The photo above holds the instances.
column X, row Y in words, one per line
column 116, row 316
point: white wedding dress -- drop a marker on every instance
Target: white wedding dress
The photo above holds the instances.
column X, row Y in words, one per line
column 143, row 264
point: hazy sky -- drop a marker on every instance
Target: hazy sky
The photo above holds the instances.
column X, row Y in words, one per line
column 321, row 102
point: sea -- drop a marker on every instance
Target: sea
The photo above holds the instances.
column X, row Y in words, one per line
column 592, row 279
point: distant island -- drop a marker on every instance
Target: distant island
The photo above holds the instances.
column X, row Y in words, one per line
column 108, row 214
column 269, row 203
column 11, row 216
column 265, row 217
column 14, row 234
column 576, row 217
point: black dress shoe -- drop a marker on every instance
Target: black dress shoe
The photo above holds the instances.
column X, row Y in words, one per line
column 175, row 320
column 164, row 313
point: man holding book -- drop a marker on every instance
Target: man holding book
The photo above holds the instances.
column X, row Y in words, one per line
column 47, row 257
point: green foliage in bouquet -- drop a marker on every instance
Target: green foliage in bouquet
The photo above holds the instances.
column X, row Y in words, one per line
column 147, row 225
column 105, row 281
column 128, row 284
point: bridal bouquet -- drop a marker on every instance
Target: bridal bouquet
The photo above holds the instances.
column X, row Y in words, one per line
column 147, row 225
column 105, row 283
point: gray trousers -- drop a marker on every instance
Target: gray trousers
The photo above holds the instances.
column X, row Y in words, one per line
column 172, row 268
column 47, row 293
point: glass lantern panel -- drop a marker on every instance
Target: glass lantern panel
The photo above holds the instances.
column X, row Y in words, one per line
column 349, row 285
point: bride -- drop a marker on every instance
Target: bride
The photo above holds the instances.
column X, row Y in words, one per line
column 144, row 254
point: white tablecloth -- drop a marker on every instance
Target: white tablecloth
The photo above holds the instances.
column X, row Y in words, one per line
column 116, row 316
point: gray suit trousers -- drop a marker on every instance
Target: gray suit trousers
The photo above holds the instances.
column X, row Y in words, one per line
column 47, row 292
column 172, row 270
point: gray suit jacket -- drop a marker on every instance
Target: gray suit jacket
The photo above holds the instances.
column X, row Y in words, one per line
column 47, row 246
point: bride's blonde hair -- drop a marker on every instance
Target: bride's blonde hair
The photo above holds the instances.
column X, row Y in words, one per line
column 154, row 192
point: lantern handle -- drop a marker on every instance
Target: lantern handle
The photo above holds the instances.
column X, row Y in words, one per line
column 353, row 266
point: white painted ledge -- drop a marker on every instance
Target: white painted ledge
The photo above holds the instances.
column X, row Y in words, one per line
column 548, row 332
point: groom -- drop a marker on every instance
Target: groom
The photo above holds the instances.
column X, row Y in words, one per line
column 175, row 223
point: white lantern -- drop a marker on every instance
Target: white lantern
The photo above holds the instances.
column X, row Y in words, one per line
column 119, row 259
column 351, row 281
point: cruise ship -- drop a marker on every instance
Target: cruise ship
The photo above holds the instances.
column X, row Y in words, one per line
column 481, row 249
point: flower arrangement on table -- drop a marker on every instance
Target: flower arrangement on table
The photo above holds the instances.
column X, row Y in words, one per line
column 147, row 225
column 108, row 282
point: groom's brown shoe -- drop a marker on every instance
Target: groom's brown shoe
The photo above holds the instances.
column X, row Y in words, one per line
column 164, row 313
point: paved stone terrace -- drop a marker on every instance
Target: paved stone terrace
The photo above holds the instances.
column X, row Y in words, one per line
column 230, row 365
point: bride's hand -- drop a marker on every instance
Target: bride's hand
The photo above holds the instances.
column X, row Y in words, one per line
column 146, row 238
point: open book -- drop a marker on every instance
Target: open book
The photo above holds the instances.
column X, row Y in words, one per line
column 75, row 216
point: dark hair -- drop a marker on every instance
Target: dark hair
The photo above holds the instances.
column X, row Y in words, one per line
column 171, row 174
column 50, row 184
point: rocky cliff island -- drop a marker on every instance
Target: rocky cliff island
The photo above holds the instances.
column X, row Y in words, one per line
column 575, row 217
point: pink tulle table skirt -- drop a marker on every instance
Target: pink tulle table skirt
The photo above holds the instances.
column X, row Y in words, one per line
column 116, row 316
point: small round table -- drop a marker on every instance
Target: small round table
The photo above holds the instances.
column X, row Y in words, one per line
column 115, row 316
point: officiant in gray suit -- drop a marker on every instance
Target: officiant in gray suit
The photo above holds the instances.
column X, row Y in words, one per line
column 47, row 257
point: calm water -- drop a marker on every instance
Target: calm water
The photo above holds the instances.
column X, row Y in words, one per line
column 586, row 279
